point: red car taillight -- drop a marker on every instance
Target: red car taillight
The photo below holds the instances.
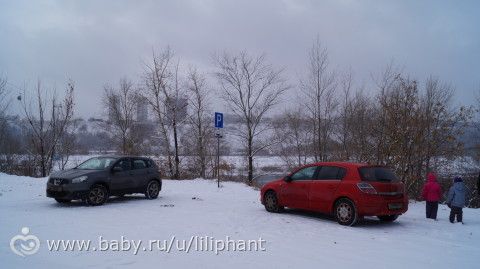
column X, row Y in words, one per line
column 366, row 188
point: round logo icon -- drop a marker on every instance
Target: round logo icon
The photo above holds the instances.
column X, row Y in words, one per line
column 25, row 244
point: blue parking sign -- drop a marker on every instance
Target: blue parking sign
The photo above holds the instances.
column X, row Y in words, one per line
column 218, row 120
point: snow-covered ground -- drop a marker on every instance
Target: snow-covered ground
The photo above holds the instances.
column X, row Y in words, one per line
column 198, row 208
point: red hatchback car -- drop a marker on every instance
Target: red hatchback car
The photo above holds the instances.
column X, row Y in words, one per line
column 349, row 191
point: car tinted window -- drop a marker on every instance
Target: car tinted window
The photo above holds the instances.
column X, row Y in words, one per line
column 125, row 164
column 331, row 172
column 377, row 174
column 139, row 164
column 151, row 164
column 305, row 173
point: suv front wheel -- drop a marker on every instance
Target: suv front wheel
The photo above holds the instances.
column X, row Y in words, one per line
column 97, row 195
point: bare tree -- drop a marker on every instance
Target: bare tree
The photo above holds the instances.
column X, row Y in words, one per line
column 384, row 84
column 10, row 140
column 201, row 131
column 156, row 77
column 3, row 97
column 3, row 107
column 318, row 90
column 400, row 109
column 294, row 136
column 344, row 132
column 360, row 118
column 251, row 87
column 164, row 93
column 414, row 127
column 173, row 101
column 4, row 130
column 120, row 104
column 477, row 129
column 48, row 124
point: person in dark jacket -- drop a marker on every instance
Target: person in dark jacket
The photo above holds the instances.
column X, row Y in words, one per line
column 456, row 200
column 432, row 194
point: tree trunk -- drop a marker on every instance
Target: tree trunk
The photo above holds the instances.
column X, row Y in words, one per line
column 201, row 152
column 250, row 159
column 124, row 144
column 177, row 159
column 43, row 165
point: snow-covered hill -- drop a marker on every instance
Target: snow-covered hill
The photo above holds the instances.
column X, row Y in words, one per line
column 186, row 209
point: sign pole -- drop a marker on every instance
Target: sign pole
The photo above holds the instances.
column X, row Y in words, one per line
column 218, row 135
column 218, row 159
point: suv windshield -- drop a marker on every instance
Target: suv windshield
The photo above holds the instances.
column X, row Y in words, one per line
column 377, row 174
column 98, row 163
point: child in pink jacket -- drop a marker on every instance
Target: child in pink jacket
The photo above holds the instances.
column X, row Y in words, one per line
column 432, row 194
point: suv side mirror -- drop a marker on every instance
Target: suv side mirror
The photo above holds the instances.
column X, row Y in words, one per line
column 117, row 169
column 287, row 178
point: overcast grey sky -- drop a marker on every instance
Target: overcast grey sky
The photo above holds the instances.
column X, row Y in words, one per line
column 98, row 42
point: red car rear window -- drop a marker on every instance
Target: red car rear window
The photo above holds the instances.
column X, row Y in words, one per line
column 378, row 173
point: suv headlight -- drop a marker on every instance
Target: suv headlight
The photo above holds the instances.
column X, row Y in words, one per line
column 79, row 179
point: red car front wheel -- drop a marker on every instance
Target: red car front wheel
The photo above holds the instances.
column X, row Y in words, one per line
column 271, row 202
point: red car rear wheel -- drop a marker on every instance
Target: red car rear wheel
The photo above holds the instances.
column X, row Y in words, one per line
column 345, row 212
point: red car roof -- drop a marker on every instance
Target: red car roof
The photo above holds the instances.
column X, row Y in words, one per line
column 350, row 164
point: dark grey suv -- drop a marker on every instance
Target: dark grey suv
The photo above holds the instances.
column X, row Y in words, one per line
column 98, row 178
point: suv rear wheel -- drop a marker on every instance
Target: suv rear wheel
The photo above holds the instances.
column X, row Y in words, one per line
column 345, row 212
column 152, row 190
column 97, row 195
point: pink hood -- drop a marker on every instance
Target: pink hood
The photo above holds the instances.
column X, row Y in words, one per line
column 431, row 177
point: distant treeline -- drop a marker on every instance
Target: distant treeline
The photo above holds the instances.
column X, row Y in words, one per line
column 408, row 124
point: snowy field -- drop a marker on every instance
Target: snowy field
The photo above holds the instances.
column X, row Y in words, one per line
column 186, row 209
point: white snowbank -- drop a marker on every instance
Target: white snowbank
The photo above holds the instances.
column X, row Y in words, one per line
column 293, row 239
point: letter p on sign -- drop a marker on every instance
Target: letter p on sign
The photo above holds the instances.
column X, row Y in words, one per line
column 218, row 120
